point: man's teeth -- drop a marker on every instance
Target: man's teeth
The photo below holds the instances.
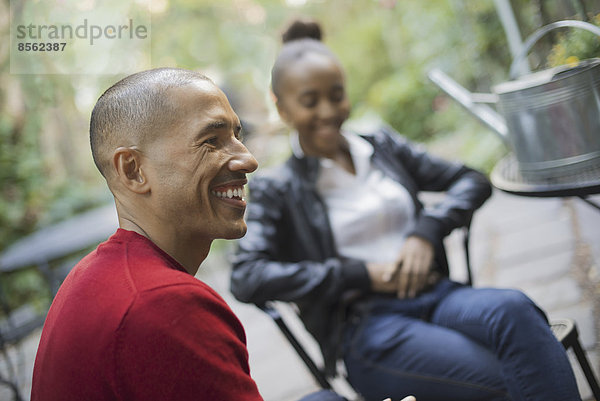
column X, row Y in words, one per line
column 230, row 193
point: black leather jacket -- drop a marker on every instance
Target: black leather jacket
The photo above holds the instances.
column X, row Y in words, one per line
column 288, row 253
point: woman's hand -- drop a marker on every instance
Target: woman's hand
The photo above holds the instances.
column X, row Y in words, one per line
column 414, row 266
column 381, row 275
column 409, row 274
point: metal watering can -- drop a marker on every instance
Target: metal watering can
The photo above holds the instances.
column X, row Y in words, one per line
column 550, row 119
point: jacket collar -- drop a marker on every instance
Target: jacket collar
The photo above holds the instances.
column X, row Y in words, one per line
column 308, row 167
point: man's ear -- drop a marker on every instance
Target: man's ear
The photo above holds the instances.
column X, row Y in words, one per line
column 127, row 163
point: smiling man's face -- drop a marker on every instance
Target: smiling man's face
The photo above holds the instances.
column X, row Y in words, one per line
column 198, row 165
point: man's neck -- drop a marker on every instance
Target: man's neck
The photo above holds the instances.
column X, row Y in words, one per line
column 189, row 253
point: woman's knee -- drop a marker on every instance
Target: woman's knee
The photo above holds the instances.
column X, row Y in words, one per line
column 513, row 306
column 514, row 301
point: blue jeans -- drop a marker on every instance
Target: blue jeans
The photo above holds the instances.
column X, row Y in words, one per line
column 456, row 343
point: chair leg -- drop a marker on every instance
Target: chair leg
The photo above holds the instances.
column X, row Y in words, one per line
column 316, row 372
column 587, row 369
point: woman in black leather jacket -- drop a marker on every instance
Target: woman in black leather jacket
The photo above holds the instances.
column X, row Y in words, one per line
column 339, row 230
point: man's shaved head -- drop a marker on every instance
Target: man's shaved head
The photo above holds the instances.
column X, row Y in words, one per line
column 131, row 110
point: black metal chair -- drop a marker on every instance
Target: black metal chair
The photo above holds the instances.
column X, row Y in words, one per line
column 318, row 372
column 565, row 330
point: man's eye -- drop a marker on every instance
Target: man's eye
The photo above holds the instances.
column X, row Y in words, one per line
column 212, row 141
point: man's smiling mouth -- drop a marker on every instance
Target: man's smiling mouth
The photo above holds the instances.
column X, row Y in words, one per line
column 230, row 192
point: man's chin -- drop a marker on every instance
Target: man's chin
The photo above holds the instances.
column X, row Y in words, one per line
column 236, row 233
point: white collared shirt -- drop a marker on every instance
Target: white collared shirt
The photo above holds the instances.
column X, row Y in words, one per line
column 370, row 214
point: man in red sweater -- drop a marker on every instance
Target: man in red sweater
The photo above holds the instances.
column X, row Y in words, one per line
column 131, row 322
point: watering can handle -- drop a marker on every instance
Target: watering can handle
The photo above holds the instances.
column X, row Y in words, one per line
column 541, row 32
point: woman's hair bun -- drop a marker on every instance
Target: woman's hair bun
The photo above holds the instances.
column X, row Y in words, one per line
column 302, row 29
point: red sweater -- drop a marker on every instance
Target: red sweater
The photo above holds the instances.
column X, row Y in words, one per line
column 129, row 323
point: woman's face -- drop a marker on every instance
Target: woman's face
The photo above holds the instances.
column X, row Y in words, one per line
column 312, row 99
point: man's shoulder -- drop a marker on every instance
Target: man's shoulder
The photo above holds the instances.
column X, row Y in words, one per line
column 178, row 286
column 116, row 274
column 182, row 305
column 132, row 262
column 162, row 276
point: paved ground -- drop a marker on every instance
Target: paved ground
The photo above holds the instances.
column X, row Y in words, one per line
column 549, row 248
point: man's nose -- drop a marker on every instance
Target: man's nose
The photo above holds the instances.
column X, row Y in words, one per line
column 243, row 161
